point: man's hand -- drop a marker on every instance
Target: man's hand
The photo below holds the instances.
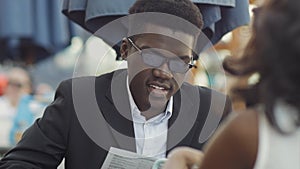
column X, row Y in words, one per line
column 184, row 158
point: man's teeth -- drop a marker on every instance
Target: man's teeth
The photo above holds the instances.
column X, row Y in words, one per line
column 157, row 87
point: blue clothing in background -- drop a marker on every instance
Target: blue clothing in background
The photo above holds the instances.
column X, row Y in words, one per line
column 28, row 110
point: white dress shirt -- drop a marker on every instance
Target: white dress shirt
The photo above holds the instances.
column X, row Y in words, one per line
column 150, row 135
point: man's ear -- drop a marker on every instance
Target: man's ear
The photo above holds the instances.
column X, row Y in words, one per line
column 124, row 48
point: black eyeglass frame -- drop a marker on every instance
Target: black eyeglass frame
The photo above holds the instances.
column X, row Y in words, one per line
column 189, row 65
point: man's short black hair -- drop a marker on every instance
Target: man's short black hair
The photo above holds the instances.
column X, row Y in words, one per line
column 180, row 8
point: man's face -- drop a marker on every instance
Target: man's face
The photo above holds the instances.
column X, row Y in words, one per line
column 18, row 84
column 153, row 62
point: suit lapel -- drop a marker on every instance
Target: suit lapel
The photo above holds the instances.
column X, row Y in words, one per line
column 115, row 107
column 183, row 122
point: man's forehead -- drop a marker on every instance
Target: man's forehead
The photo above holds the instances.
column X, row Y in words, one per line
column 177, row 35
column 158, row 41
column 164, row 24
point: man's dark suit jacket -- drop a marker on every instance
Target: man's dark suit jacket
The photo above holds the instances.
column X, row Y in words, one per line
column 78, row 136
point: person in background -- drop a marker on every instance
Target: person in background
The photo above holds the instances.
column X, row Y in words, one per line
column 267, row 135
column 134, row 109
column 30, row 107
column 18, row 84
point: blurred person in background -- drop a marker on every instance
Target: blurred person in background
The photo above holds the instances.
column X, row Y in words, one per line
column 30, row 107
column 18, row 84
column 267, row 135
column 3, row 83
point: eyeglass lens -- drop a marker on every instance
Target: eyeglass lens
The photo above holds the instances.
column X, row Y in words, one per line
column 175, row 64
column 15, row 84
column 156, row 60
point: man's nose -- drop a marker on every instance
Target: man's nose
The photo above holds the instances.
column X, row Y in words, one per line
column 163, row 71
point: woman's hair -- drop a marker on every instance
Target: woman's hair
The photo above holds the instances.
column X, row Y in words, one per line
column 274, row 53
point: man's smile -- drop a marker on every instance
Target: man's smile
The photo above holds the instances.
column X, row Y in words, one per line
column 158, row 89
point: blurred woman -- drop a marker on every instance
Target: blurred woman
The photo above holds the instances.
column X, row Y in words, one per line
column 267, row 135
column 18, row 85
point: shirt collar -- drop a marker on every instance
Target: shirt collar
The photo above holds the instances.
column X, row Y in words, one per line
column 139, row 118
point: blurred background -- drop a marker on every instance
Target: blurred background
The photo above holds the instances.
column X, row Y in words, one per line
column 43, row 42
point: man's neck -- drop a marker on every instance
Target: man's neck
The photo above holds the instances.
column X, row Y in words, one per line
column 152, row 112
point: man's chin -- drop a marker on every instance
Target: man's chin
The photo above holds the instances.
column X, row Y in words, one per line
column 158, row 96
column 158, row 100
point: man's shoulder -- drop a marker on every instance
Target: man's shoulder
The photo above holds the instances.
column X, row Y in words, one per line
column 201, row 89
column 208, row 96
column 99, row 78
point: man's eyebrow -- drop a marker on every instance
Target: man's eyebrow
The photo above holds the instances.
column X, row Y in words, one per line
column 185, row 57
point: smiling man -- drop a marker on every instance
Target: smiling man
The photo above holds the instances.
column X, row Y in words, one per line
column 163, row 63
column 147, row 108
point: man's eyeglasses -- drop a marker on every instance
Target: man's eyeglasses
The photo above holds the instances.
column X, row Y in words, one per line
column 156, row 60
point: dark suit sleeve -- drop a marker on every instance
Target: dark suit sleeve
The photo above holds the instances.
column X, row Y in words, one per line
column 43, row 145
column 214, row 107
column 227, row 108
